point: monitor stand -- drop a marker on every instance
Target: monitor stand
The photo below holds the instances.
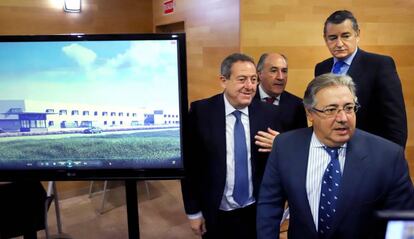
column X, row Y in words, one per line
column 132, row 208
column 52, row 195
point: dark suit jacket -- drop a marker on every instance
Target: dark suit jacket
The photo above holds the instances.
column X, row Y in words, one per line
column 379, row 93
column 205, row 161
column 291, row 110
column 22, row 208
column 375, row 177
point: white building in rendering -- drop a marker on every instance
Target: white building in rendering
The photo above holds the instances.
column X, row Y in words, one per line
column 30, row 115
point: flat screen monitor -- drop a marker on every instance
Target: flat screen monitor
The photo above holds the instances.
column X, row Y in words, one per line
column 82, row 106
column 395, row 224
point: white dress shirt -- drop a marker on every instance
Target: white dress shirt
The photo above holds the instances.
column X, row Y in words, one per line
column 227, row 202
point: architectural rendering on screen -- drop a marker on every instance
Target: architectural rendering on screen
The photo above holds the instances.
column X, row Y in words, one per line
column 89, row 104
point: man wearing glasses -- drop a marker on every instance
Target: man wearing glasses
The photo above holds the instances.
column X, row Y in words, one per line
column 377, row 82
column 342, row 175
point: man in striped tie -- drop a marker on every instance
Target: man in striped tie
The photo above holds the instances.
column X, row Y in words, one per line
column 334, row 176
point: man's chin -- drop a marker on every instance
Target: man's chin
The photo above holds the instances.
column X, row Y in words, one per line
column 341, row 139
column 341, row 55
column 279, row 90
column 244, row 102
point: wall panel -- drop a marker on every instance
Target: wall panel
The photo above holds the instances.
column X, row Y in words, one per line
column 212, row 31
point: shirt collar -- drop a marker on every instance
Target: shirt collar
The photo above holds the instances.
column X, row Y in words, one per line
column 348, row 60
column 263, row 95
column 230, row 109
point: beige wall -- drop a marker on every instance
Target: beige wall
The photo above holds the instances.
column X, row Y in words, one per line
column 212, row 31
column 296, row 27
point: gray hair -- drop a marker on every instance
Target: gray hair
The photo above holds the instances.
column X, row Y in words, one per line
column 323, row 81
column 228, row 62
column 339, row 17
column 263, row 58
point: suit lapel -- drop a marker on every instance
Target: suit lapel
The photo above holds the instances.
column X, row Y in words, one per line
column 356, row 68
column 282, row 102
column 355, row 168
column 218, row 128
column 302, row 155
column 256, row 123
column 254, row 127
column 327, row 66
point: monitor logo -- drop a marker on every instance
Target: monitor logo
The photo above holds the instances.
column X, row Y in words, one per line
column 71, row 174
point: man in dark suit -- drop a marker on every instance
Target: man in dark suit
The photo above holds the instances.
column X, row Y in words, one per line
column 214, row 179
column 378, row 85
column 272, row 70
column 334, row 176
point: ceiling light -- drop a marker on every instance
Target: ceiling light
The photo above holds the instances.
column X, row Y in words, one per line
column 72, row 5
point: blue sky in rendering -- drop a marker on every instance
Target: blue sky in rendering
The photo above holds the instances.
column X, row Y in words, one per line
column 127, row 73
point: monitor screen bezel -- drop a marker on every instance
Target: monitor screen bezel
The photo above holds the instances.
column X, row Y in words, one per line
column 110, row 174
column 384, row 217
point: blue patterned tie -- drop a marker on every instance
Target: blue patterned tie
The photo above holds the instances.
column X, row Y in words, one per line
column 329, row 192
column 337, row 67
column 241, row 180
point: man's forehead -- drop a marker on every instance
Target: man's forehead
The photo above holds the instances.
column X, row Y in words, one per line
column 345, row 26
column 276, row 60
column 330, row 94
column 336, row 33
column 243, row 68
column 242, row 63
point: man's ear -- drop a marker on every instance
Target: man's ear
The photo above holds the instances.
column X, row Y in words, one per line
column 223, row 81
column 309, row 115
column 358, row 34
column 324, row 38
column 259, row 75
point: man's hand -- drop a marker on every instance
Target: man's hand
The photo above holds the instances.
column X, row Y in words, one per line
column 198, row 226
column 265, row 139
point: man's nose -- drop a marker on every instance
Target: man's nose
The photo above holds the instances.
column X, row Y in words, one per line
column 339, row 42
column 249, row 83
column 341, row 116
column 279, row 75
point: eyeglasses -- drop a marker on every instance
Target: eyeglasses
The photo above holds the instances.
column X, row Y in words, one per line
column 334, row 110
